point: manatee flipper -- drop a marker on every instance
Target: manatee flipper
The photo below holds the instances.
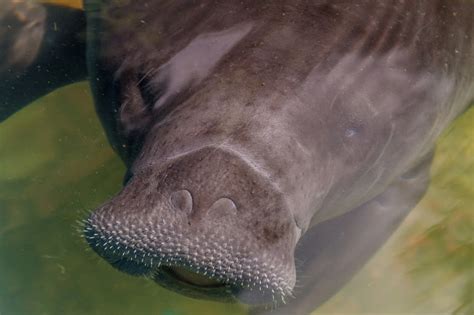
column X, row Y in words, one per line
column 42, row 47
column 331, row 252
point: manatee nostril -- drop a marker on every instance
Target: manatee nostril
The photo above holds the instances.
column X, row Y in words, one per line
column 182, row 200
column 222, row 207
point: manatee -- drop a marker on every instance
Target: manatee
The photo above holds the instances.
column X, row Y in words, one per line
column 256, row 134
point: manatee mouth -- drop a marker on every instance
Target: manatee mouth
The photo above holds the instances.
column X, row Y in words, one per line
column 193, row 285
column 180, row 279
column 191, row 278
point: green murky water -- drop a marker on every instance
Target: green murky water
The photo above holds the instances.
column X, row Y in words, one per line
column 55, row 165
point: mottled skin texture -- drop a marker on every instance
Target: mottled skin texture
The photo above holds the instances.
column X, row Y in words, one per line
column 260, row 133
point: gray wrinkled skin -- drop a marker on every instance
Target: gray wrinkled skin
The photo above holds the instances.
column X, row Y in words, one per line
column 260, row 133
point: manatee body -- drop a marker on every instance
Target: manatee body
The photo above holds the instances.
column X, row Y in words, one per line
column 255, row 133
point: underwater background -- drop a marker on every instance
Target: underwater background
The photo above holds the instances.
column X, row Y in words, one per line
column 56, row 165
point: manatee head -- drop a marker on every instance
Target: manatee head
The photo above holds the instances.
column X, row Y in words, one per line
column 201, row 212
column 205, row 223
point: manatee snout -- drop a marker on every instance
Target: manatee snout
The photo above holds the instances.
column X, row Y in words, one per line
column 206, row 223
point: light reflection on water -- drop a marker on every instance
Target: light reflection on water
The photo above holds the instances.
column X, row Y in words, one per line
column 55, row 165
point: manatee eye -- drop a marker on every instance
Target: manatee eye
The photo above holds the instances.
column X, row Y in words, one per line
column 351, row 132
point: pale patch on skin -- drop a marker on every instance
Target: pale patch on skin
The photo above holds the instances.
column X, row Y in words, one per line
column 196, row 61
